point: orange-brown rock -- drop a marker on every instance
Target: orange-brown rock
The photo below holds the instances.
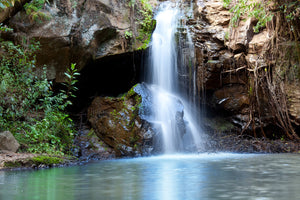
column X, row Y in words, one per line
column 233, row 99
column 117, row 123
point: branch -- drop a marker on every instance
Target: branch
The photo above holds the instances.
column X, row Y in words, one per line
column 234, row 70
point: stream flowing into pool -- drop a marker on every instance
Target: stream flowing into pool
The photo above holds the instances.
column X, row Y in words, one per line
column 202, row 176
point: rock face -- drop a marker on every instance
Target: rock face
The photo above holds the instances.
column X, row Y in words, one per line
column 77, row 31
column 8, row 142
column 221, row 64
column 293, row 93
column 226, row 58
column 116, row 121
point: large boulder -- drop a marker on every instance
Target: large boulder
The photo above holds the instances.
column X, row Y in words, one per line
column 8, row 142
column 116, row 121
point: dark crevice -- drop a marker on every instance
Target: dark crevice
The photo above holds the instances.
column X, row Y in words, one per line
column 108, row 76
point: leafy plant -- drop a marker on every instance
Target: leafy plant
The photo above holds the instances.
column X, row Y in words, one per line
column 4, row 28
column 226, row 3
column 128, row 35
column 33, row 10
column 147, row 24
column 254, row 9
column 7, row 3
column 52, row 135
column 28, row 106
column 131, row 3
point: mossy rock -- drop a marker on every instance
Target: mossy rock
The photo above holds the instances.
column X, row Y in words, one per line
column 116, row 121
column 13, row 164
column 46, row 160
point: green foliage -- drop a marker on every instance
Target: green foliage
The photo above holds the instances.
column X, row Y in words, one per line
column 4, row 28
column 251, row 9
column 147, row 24
column 19, row 88
column 291, row 10
column 33, row 10
column 74, row 3
column 226, row 35
column 28, row 106
column 226, row 3
column 128, row 35
column 131, row 3
column 70, row 82
column 7, row 3
column 52, row 135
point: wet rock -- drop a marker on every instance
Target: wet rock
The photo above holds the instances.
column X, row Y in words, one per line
column 8, row 142
column 232, row 99
column 148, row 107
column 88, row 146
column 117, row 123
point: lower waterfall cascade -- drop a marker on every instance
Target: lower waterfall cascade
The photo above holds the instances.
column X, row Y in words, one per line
column 174, row 114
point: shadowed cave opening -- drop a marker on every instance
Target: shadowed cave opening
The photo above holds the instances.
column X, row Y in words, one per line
column 109, row 76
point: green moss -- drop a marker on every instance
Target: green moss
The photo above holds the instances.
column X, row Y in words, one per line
column 47, row 160
column 147, row 24
column 131, row 92
column 13, row 164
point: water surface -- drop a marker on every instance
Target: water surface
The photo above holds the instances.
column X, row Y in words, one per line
column 204, row 176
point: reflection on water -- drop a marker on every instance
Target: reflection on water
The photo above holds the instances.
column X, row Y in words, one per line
column 204, row 176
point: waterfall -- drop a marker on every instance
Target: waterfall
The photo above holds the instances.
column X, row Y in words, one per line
column 172, row 110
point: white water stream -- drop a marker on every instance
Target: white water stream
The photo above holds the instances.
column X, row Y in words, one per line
column 163, row 72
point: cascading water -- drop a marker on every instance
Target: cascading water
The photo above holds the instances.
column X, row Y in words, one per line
column 174, row 121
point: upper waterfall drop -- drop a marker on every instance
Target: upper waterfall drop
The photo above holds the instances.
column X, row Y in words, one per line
column 163, row 54
column 172, row 116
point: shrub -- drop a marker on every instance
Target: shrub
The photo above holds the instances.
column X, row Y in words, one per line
column 28, row 106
